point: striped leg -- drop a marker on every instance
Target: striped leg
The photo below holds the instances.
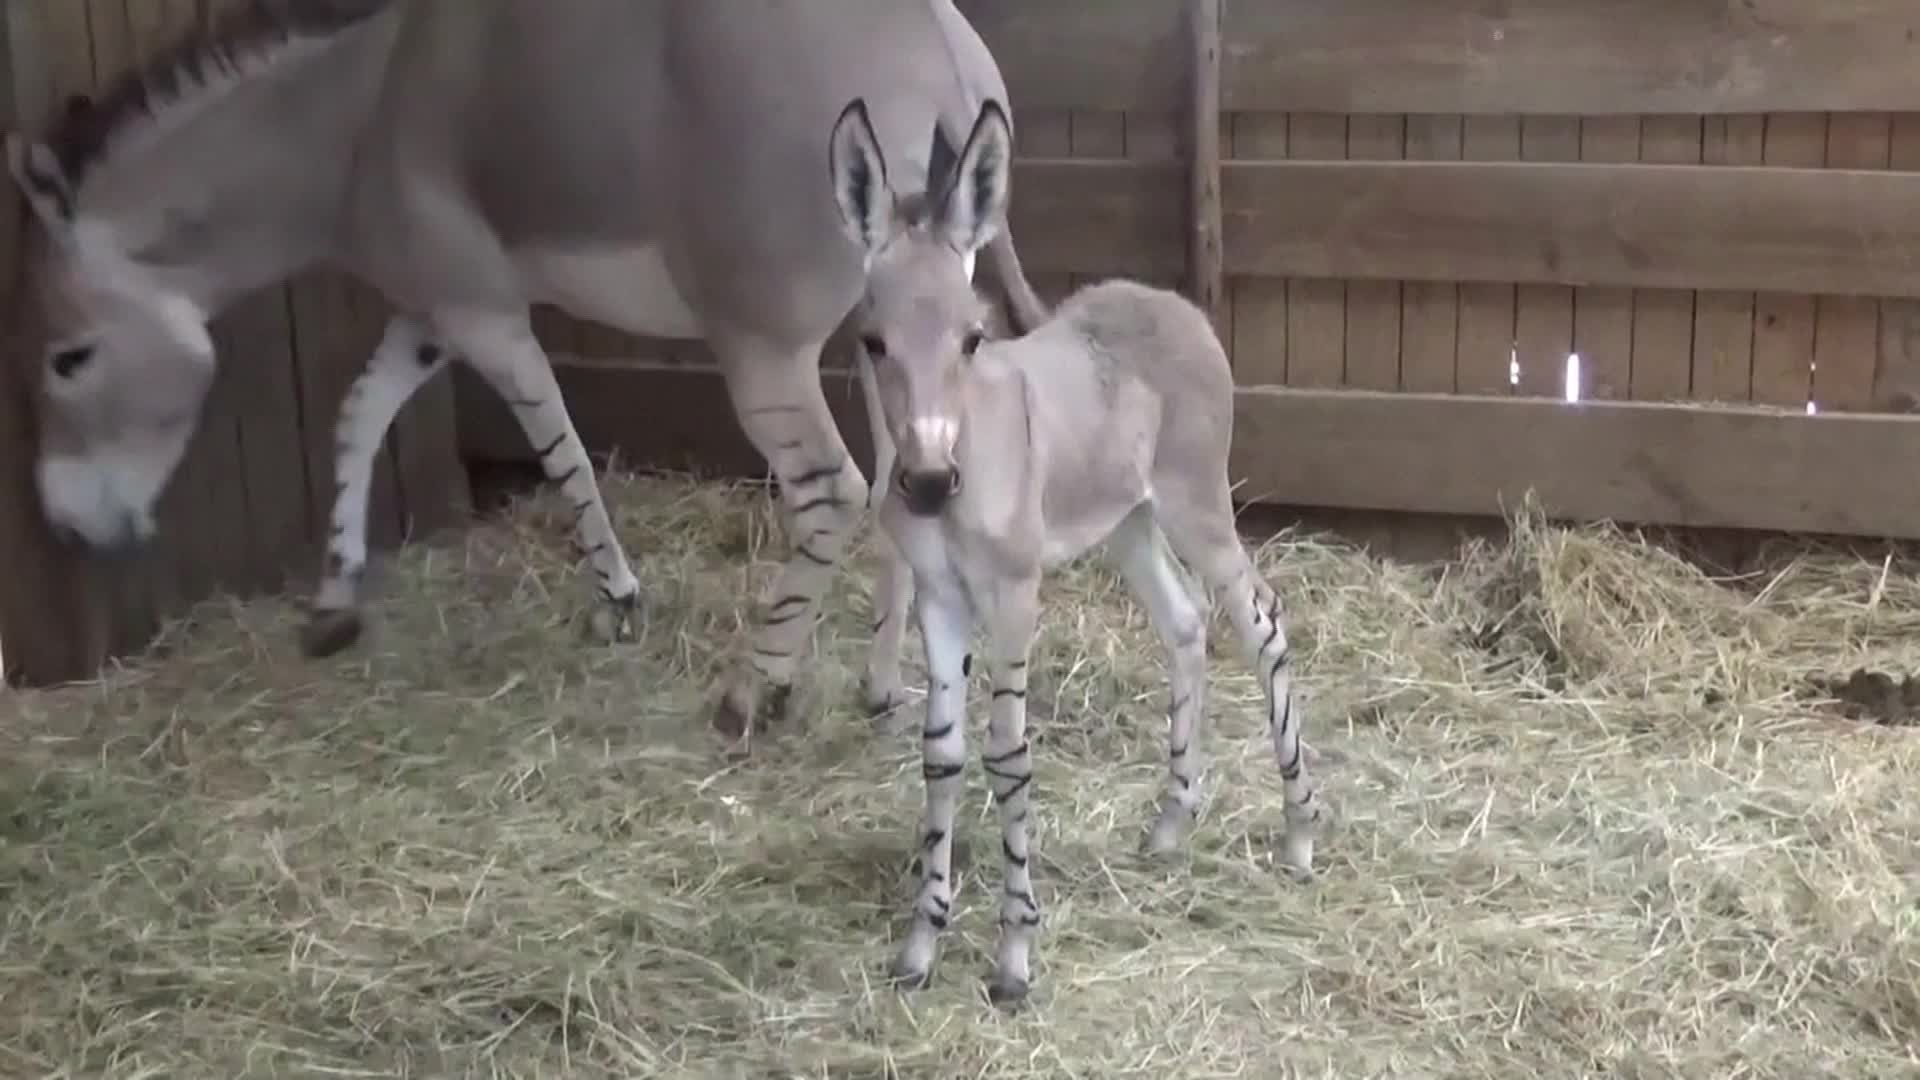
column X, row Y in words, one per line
column 944, row 628
column 777, row 398
column 1139, row 550
column 893, row 582
column 502, row 348
column 1009, row 763
column 402, row 363
column 1261, row 625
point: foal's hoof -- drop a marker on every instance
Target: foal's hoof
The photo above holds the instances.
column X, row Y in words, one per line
column 907, row 976
column 330, row 631
column 1169, row 832
column 1007, row 992
column 888, row 713
column 747, row 708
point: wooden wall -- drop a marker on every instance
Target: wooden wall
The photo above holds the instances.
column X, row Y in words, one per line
column 248, row 510
column 1712, row 203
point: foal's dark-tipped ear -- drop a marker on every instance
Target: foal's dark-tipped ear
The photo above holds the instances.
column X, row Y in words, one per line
column 41, row 177
column 974, row 205
column 859, row 171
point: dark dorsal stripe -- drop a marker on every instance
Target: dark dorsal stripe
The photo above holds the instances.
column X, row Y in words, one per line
column 78, row 134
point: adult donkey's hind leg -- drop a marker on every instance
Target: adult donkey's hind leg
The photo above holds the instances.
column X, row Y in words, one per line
column 779, row 404
column 502, row 348
column 402, row 363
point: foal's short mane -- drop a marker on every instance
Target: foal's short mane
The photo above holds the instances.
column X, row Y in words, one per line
column 239, row 40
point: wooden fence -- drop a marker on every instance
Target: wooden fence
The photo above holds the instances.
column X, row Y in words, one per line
column 248, row 510
column 1426, row 207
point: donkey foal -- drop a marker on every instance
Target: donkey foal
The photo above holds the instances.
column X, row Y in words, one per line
column 1111, row 422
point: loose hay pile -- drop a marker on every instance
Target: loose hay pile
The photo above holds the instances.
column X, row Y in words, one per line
column 1587, row 818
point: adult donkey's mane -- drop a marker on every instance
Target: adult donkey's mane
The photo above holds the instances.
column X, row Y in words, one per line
column 203, row 59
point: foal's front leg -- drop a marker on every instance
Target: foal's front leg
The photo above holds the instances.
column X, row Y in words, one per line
column 944, row 627
column 1009, row 763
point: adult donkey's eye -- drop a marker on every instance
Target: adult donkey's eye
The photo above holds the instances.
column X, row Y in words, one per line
column 876, row 346
column 67, row 362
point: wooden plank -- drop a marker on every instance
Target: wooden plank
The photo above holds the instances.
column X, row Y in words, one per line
column 1471, row 56
column 1373, row 307
column 1846, row 332
column 1316, row 306
column 1430, row 310
column 1897, row 375
column 1723, row 320
column 49, row 630
column 1543, row 314
column 1259, row 344
column 1205, row 273
column 1603, row 316
column 1486, row 344
column 1638, row 462
column 1662, row 366
column 1782, row 314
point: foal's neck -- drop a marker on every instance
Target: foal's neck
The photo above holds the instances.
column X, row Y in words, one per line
column 240, row 182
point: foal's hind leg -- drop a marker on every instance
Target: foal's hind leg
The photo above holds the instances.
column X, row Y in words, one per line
column 502, row 348
column 403, row 362
column 1136, row 548
column 779, row 404
column 1203, row 535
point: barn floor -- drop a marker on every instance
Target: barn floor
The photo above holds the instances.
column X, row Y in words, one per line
column 1588, row 818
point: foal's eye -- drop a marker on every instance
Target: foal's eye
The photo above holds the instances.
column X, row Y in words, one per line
column 876, row 346
column 67, row 362
column 971, row 343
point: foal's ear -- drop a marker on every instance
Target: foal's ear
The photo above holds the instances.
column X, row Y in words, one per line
column 37, row 170
column 860, row 187
column 974, row 206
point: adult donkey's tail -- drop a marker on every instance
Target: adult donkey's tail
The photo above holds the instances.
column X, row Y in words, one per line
column 1023, row 304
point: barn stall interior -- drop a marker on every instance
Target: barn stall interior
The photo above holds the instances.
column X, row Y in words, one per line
column 1575, row 342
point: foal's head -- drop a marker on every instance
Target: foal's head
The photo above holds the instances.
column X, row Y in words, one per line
column 920, row 320
column 126, row 364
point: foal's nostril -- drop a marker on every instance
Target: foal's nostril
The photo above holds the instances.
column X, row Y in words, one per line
column 926, row 493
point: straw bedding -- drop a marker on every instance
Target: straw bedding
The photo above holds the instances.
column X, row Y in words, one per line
column 1593, row 813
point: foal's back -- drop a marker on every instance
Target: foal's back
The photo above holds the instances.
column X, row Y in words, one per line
column 1130, row 376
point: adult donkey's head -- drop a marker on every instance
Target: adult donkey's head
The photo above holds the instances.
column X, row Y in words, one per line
column 127, row 360
column 921, row 320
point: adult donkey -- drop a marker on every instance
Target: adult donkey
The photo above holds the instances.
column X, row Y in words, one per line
column 658, row 165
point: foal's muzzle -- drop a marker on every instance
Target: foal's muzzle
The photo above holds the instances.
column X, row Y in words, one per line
column 926, row 492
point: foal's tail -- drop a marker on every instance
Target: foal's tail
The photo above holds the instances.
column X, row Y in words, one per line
column 1028, row 310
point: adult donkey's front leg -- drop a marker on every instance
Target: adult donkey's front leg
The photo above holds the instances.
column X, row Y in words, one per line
column 502, row 348
column 779, row 404
column 402, row 363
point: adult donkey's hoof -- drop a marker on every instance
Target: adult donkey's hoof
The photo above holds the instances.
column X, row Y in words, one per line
column 615, row 621
column 1006, row 991
column 748, row 707
column 330, row 631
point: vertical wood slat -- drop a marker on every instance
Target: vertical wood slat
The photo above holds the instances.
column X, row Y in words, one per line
column 1316, row 308
column 1783, row 329
column 1603, row 317
column 1205, row 258
column 1846, row 332
column 1543, row 314
column 1723, row 322
column 1662, row 367
column 51, row 628
column 1373, row 331
column 1487, row 310
column 1430, row 310
column 1897, row 371
column 1259, row 345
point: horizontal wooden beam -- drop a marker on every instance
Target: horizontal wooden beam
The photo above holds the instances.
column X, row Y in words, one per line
column 1590, row 57
column 1654, row 464
column 1642, row 463
column 1832, row 231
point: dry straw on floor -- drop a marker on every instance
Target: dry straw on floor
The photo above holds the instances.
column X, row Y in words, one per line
column 1588, row 821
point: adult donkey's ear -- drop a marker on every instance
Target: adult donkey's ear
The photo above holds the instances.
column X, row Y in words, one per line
column 860, row 186
column 36, row 168
column 974, row 206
